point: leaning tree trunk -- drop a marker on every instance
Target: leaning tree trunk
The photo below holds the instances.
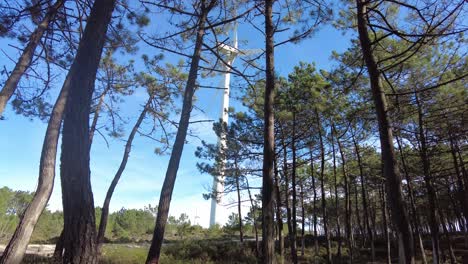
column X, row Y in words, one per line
column 174, row 161
column 79, row 237
column 115, row 181
column 391, row 173
column 16, row 248
column 268, row 224
column 26, row 57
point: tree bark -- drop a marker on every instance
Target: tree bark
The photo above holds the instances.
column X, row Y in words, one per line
column 433, row 221
column 348, row 209
column 294, row 184
column 239, row 203
column 118, row 174
column 322, row 188
column 279, row 217
column 391, row 173
column 268, row 228
column 316, row 247
column 78, row 204
column 26, row 57
column 364, row 199
column 174, row 161
column 338, row 225
column 409, row 184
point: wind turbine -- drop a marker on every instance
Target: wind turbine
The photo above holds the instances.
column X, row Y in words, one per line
column 231, row 53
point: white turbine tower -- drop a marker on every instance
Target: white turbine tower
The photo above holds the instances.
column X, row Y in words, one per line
column 231, row 53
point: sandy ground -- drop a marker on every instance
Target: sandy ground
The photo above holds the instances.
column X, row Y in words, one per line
column 36, row 249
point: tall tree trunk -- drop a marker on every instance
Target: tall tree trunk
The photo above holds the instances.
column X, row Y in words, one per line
column 16, row 248
column 312, row 170
column 302, row 220
column 391, row 173
column 279, row 217
column 294, row 186
column 338, row 225
column 78, row 204
column 292, row 240
column 254, row 217
column 268, row 227
column 348, row 210
column 322, row 188
column 462, row 193
column 385, row 222
column 27, row 56
column 433, row 221
column 118, row 174
column 174, row 161
column 409, row 184
column 370, row 234
column 239, row 202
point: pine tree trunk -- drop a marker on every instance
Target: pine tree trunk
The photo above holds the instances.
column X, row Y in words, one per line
column 348, row 210
column 338, row 225
column 97, row 112
column 239, row 203
column 27, row 56
column 294, row 186
column 302, row 220
column 364, row 199
column 316, row 247
column 16, row 248
column 268, row 228
column 322, row 188
column 433, row 221
column 292, row 241
column 279, row 218
column 78, row 204
column 118, row 174
column 385, row 222
column 391, row 173
column 174, row 161
column 416, row 221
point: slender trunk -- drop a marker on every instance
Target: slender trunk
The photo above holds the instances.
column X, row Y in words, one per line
column 254, row 218
column 292, row 240
column 338, row 225
column 348, row 210
column 16, row 248
column 433, row 221
column 391, row 173
column 268, row 227
column 312, row 170
column 448, row 239
column 302, row 220
column 26, row 57
column 239, row 211
column 417, row 222
column 294, row 184
column 97, row 112
column 462, row 193
column 115, row 181
column 364, row 199
column 279, row 217
column 174, row 161
column 322, row 188
column 385, row 222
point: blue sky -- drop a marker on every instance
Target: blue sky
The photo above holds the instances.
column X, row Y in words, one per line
column 21, row 139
